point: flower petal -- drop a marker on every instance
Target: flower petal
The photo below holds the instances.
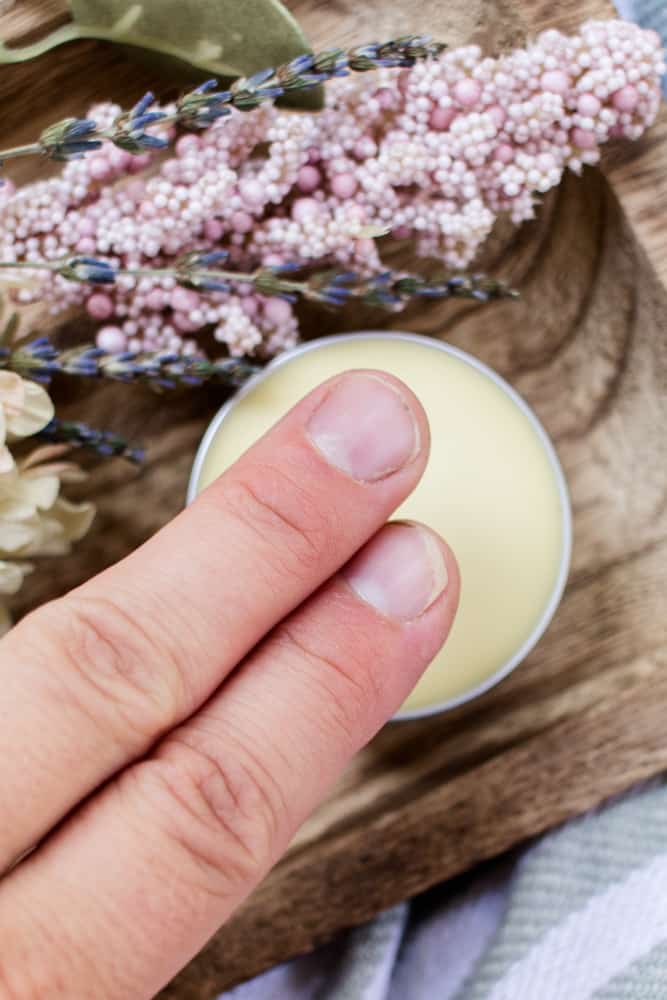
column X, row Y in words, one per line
column 12, row 575
column 34, row 413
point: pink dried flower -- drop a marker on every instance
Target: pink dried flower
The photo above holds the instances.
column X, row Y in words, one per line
column 435, row 152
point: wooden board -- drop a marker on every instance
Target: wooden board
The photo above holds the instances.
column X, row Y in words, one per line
column 583, row 717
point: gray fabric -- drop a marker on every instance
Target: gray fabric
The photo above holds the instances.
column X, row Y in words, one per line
column 367, row 963
column 643, row 980
column 566, row 869
column 450, row 933
column 580, row 915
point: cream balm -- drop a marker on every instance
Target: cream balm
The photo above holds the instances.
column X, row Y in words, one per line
column 493, row 488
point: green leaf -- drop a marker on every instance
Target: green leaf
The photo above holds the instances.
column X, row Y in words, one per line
column 222, row 38
column 228, row 37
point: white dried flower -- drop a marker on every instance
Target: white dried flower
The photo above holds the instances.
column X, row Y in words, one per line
column 25, row 406
column 34, row 518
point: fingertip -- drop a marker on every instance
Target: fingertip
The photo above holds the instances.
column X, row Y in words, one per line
column 368, row 425
column 409, row 576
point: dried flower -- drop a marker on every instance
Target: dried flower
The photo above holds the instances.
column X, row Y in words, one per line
column 203, row 106
column 432, row 152
column 69, row 139
column 388, row 290
column 103, row 443
column 200, row 272
column 88, row 269
column 12, row 575
column 73, row 137
column 129, row 129
column 403, row 52
column 25, row 407
column 40, row 359
column 35, row 520
column 196, row 270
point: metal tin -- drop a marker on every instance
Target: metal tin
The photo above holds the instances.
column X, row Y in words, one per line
column 566, row 512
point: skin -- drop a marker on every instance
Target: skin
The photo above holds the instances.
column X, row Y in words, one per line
column 166, row 728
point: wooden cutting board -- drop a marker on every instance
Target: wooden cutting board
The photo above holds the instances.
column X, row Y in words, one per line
column 584, row 717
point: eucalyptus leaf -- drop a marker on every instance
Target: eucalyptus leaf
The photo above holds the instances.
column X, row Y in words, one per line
column 223, row 38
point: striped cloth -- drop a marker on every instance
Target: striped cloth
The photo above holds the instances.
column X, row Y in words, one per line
column 581, row 915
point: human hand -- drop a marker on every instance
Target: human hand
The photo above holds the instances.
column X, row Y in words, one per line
column 165, row 728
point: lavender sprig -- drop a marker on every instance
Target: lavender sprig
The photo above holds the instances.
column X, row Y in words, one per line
column 388, row 290
column 40, row 360
column 70, row 139
column 199, row 270
column 103, row 443
column 303, row 73
column 129, row 129
column 203, row 106
column 198, row 109
column 89, row 270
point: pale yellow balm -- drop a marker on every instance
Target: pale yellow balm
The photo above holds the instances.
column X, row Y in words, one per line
column 493, row 488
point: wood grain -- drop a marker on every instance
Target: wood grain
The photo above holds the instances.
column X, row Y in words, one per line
column 583, row 718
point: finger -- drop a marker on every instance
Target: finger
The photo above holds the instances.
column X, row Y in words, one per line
column 176, row 842
column 93, row 680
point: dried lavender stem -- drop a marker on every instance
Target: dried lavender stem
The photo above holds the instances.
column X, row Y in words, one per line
column 134, row 272
column 103, row 443
column 40, row 359
column 28, row 150
column 330, row 287
column 171, row 272
column 74, row 137
column 30, row 265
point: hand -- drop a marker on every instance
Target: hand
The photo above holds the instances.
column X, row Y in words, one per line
column 165, row 728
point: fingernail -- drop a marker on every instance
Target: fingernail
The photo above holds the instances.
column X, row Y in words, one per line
column 365, row 427
column 400, row 572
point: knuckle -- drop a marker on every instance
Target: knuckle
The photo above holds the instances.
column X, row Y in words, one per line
column 118, row 664
column 223, row 810
column 343, row 676
column 296, row 525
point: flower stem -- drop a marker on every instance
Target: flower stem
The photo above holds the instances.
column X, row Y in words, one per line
column 172, row 272
column 103, row 443
column 28, row 150
column 40, row 359
column 201, row 107
column 333, row 287
column 29, row 265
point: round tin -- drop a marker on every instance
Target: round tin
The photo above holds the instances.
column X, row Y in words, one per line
column 551, row 605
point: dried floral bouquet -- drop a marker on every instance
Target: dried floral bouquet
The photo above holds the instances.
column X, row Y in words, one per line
column 219, row 211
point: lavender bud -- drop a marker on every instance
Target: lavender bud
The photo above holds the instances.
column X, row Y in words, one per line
column 69, row 139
